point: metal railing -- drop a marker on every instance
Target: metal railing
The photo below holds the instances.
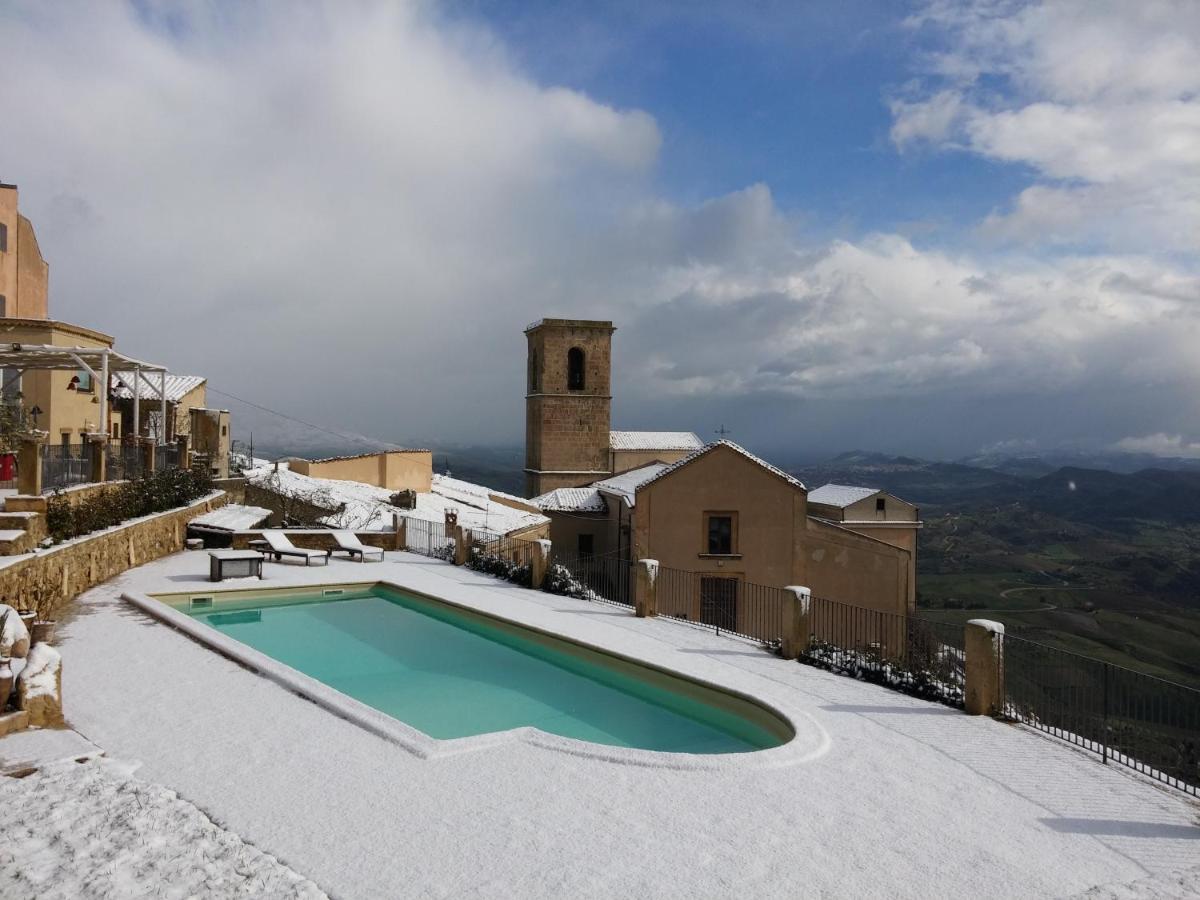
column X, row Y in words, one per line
column 602, row 579
column 124, row 462
column 64, row 466
column 428, row 538
column 916, row 656
column 166, row 456
column 724, row 604
column 1147, row 723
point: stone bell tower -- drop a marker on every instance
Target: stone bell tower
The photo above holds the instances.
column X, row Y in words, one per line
column 567, row 403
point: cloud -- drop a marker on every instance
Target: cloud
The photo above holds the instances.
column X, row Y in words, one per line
column 1101, row 100
column 880, row 318
column 350, row 211
column 1166, row 445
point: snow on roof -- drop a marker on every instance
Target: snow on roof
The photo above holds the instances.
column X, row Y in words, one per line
column 178, row 386
column 457, row 489
column 653, row 440
column 234, row 517
column 626, row 484
column 840, row 495
column 580, row 499
column 368, row 507
column 737, row 448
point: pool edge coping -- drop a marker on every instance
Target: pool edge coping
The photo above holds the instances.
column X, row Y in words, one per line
column 809, row 741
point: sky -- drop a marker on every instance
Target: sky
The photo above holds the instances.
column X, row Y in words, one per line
column 928, row 228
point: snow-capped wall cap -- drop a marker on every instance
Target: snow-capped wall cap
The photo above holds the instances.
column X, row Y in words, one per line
column 737, row 448
column 41, row 670
column 987, row 625
column 654, row 440
column 798, row 590
column 544, row 543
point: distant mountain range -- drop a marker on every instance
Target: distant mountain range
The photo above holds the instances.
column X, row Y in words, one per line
column 1168, row 491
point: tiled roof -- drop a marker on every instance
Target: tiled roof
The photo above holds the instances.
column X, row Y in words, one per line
column 178, row 386
column 840, row 495
column 691, row 457
column 626, row 484
column 581, row 499
column 653, row 440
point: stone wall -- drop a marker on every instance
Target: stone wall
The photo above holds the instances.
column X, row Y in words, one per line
column 70, row 568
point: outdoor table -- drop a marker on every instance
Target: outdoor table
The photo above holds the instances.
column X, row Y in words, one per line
column 234, row 564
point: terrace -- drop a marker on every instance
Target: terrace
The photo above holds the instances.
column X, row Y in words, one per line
column 881, row 794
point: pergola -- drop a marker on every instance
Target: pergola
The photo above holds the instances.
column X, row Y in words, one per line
column 102, row 363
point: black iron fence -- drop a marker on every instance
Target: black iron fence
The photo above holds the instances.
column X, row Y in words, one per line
column 166, row 456
column 917, row 656
column 601, row 579
column 428, row 538
column 726, row 604
column 1137, row 720
column 124, row 462
column 64, row 466
column 505, row 557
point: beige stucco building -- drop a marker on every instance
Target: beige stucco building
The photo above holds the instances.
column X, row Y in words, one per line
column 65, row 404
column 24, row 275
column 43, row 390
column 717, row 511
column 395, row 470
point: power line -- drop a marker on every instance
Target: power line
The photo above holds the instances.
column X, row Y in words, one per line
column 346, row 437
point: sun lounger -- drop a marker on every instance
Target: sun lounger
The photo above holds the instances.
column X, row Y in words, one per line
column 348, row 542
column 276, row 544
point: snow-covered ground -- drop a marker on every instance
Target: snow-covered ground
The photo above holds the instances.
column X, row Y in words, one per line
column 910, row 799
column 93, row 830
column 368, row 507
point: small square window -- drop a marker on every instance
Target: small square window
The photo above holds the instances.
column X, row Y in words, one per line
column 587, row 544
column 720, row 534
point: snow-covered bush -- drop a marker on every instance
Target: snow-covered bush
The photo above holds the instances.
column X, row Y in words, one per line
column 492, row 564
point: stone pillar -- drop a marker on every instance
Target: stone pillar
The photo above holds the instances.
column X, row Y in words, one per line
column 541, row 563
column 97, row 444
column 462, row 545
column 645, row 594
column 983, row 641
column 797, row 605
column 182, row 441
column 29, row 464
column 148, row 455
column 401, row 532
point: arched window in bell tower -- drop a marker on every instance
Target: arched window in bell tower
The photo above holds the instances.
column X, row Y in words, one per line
column 575, row 369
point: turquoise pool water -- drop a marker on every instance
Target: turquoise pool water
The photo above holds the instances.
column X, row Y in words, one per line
column 451, row 673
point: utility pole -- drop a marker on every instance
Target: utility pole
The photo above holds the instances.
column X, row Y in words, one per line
column 722, row 431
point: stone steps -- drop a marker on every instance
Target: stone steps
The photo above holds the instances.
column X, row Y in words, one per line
column 20, row 531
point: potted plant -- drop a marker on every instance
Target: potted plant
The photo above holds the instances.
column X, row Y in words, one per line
column 45, row 603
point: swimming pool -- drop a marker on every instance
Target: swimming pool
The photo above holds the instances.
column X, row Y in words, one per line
column 451, row 672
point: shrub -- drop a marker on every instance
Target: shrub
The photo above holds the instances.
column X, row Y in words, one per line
column 143, row 496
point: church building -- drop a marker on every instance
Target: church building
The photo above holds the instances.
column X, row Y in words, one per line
column 715, row 510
